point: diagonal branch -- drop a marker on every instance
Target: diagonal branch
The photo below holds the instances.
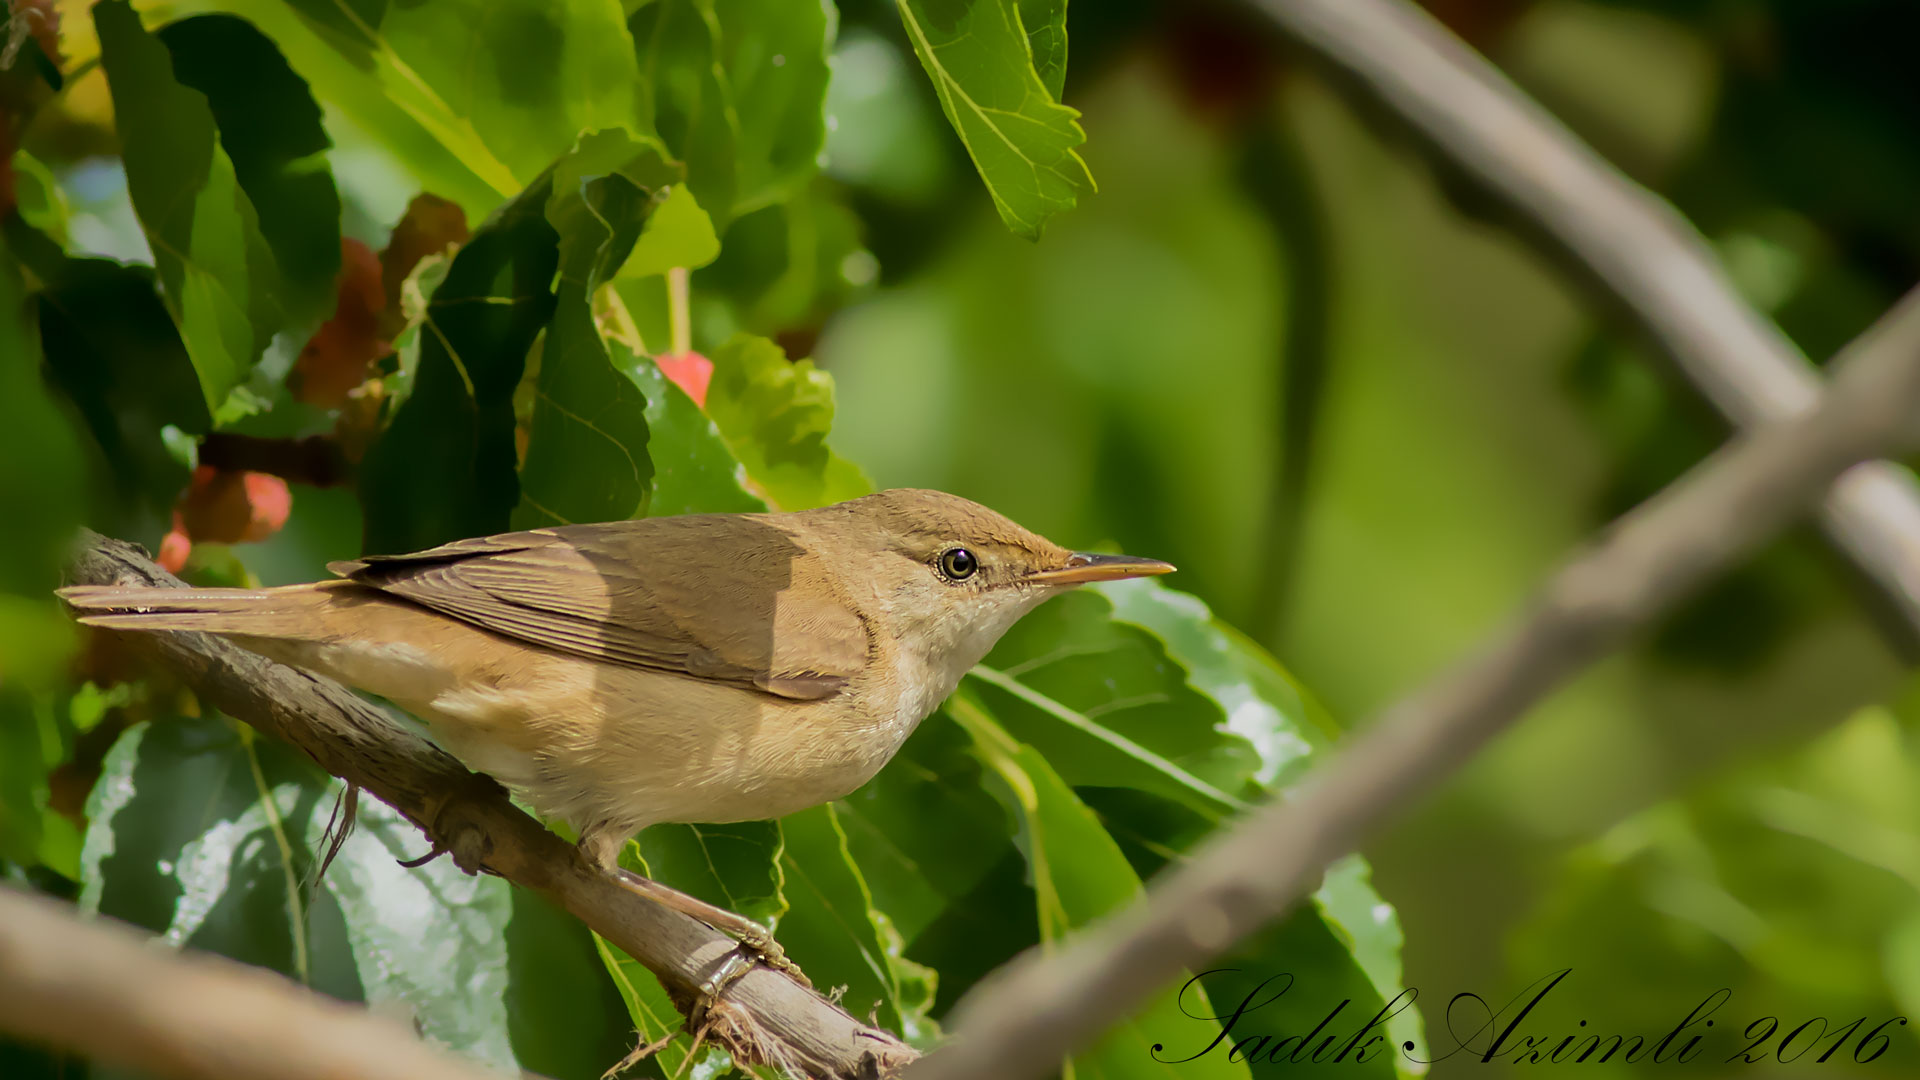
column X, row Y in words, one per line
column 764, row 1016
column 1023, row 1020
column 1628, row 240
column 102, row 990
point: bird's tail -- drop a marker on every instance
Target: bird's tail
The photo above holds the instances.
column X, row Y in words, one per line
column 288, row 612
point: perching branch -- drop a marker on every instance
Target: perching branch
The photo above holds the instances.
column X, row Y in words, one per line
column 1023, row 1020
column 1628, row 240
column 764, row 1016
column 102, row 990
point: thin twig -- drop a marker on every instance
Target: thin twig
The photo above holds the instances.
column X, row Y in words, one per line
column 104, row 991
column 1023, row 1020
column 471, row 818
column 1627, row 239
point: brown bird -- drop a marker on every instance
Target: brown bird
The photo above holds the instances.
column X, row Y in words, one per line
column 707, row 668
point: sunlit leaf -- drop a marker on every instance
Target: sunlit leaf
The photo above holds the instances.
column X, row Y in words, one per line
column 775, row 415
column 216, row 273
column 494, row 89
column 1020, row 137
column 678, row 234
column 1105, row 704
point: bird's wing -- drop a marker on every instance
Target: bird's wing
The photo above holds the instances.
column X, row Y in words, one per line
column 733, row 600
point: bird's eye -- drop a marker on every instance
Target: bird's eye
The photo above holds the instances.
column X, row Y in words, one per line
column 958, row 564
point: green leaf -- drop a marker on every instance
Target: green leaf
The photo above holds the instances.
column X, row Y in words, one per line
column 217, row 275
column 693, row 471
column 207, row 834
column 1263, row 703
column 774, row 415
column 924, row 829
column 1046, row 25
column 731, row 866
column 737, row 90
column 377, row 93
column 564, row 1013
column 32, row 743
column 444, row 468
column 678, row 234
column 503, row 85
column 1079, row 874
column 1267, row 707
column 1005, row 111
column 429, row 941
column 270, row 129
column 586, row 456
column 198, row 831
column 788, row 265
column 834, row 931
column 113, row 351
column 1105, row 704
column 39, row 458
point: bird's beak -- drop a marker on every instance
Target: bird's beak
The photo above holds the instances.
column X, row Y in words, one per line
column 1083, row 567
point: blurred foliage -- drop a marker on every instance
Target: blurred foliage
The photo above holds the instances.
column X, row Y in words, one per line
column 516, row 262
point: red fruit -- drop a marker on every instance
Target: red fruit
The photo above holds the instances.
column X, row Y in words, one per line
column 690, row 372
column 228, row 507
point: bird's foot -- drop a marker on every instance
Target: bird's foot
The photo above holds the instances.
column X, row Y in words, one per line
column 455, row 830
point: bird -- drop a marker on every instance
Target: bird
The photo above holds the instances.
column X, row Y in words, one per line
column 702, row 668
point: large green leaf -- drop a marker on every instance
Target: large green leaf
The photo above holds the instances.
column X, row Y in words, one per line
column 1006, row 111
column 441, row 153
column 270, row 129
column 1079, row 874
column 445, row 467
column 216, row 273
column 586, row 457
column 774, row 415
column 198, row 831
column 1264, row 705
column 503, row 86
column 207, row 834
column 1106, row 704
column 737, row 89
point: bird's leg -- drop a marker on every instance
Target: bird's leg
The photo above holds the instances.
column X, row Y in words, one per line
column 602, row 849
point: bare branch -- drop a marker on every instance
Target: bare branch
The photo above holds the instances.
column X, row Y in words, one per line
column 1633, row 243
column 763, row 1017
column 1023, row 1020
column 103, row 991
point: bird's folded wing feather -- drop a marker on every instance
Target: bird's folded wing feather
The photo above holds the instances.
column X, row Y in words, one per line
column 732, row 600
